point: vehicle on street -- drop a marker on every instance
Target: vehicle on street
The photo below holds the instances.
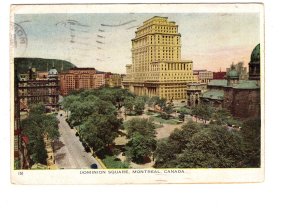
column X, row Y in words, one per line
column 94, row 166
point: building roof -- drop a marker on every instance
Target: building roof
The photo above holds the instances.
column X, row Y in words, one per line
column 221, row 82
column 195, row 84
column 233, row 74
column 83, row 68
column 255, row 55
column 214, row 94
column 247, row 84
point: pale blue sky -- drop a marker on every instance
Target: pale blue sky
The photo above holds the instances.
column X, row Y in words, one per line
column 211, row 40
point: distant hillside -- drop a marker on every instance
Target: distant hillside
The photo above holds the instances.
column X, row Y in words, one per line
column 22, row 64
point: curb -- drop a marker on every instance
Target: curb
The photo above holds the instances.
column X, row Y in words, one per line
column 100, row 162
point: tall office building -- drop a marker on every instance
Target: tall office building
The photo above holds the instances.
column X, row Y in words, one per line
column 157, row 68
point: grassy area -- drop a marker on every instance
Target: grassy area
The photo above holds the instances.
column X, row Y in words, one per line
column 111, row 162
column 150, row 113
column 183, row 110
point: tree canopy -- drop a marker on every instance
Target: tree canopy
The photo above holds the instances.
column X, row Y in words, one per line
column 38, row 126
column 142, row 139
column 209, row 146
column 100, row 130
column 145, row 127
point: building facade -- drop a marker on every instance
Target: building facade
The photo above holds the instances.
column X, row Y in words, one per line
column 194, row 91
column 31, row 89
column 241, row 69
column 203, row 76
column 80, row 78
column 219, row 75
column 113, row 80
column 241, row 97
column 157, row 68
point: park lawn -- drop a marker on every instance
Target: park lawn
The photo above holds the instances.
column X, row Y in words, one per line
column 111, row 162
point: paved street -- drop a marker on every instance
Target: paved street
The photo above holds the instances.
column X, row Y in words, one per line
column 70, row 153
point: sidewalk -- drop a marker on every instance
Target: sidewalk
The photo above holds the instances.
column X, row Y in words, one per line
column 50, row 153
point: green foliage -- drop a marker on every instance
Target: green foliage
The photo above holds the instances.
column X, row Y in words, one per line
column 213, row 147
column 168, row 109
column 139, row 105
column 100, row 130
column 202, row 111
column 155, row 100
column 221, row 117
column 251, row 133
column 22, row 64
column 84, row 105
column 17, row 164
column 129, row 105
column 164, row 115
column 144, row 127
column 140, row 147
column 142, row 139
column 184, row 110
column 95, row 111
column 37, row 109
column 111, row 162
column 165, row 154
column 38, row 151
column 181, row 116
column 37, row 126
column 202, row 146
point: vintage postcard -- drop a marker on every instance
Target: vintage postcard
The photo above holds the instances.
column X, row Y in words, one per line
column 137, row 93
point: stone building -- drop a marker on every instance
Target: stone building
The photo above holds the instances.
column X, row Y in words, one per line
column 31, row 90
column 194, row 91
column 240, row 97
column 203, row 76
column 240, row 68
column 157, row 68
column 113, row 79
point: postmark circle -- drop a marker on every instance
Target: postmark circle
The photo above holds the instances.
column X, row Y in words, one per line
column 19, row 39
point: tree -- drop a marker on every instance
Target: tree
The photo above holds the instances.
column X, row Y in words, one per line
column 167, row 110
column 139, row 105
column 221, row 116
column 38, row 126
column 145, row 127
column 167, row 151
column 251, row 133
column 165, row 154
column 99, row 131
column 155, row 100
column 37, row 109
column 129, row 105
column 181, row 116
column 201, row 146
column 202, row 111
column 68, row 100
column 140, row 147
column 213, row 147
